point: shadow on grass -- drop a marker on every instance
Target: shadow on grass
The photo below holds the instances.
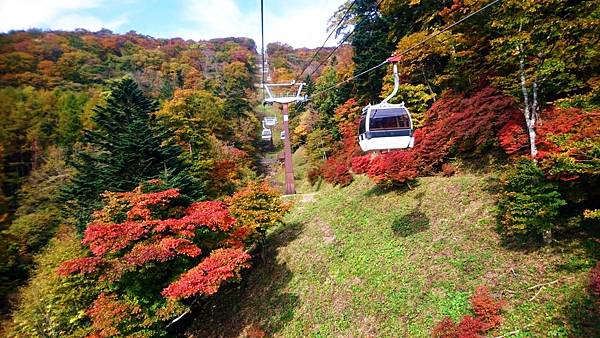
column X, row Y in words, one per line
column 258, row 303
column 410, row 224
column 413, row 222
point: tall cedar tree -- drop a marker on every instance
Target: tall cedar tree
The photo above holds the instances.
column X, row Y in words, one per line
column 123, row 150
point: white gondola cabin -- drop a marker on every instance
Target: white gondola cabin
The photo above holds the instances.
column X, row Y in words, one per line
column 386, row 126
column 266, row 134
column 270, row 121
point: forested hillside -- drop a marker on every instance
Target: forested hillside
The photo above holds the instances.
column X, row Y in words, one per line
column 84, row 113
column 135, row 200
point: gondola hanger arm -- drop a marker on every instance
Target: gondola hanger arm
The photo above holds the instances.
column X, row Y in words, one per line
column 394, row 58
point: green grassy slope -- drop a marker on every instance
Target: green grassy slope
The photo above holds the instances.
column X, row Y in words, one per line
column 360, row 262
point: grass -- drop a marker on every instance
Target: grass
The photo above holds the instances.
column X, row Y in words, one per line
column 361, row 262
column 301, row 167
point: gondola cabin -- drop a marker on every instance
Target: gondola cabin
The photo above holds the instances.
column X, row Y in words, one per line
column 385, row 126
column 270, row 121
column 266, row 134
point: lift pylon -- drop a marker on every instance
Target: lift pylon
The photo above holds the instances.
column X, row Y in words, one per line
column 276, row 95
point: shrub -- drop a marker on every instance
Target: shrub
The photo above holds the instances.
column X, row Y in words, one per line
column 470, row 327
column 487, row 317
column 51, row 305
column 463, row 126
column 487, row 308
column 393, row 168
column 448, row 169
column 336, row 171
column 528, row 203
column 445, row 329
column 257, row 207
column 595, row 281
column 360, row 164
column 152, row 248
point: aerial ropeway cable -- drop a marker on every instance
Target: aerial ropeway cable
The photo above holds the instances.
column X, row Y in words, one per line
column 339, row 45
column 337, row 26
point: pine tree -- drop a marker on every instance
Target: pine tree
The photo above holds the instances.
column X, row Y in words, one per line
column 123, row 150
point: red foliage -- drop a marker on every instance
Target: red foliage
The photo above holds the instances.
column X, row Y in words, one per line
column 487, row 317
column 84, row 265
column 103, row 238
column 513, row 136
column 212, row 214
column 207, row 277
column 160, row 250
column 595, row 280
column 448, row 169
column 335, row 170
column 393, row 167
column 347, row 116
column 487, row 308
column 360, row 164
column 445, row 329
column 470, row 327
column 573, row 123
column 141, row 202
column 463, row 125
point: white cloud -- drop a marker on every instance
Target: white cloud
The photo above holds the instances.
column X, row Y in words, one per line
column 294, row 24
column 55, row 14
column 91, row 23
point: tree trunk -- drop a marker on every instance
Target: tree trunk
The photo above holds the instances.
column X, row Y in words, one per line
column 547, row 236
column 530, row 108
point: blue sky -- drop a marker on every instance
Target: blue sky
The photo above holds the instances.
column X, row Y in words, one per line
column 300, row 23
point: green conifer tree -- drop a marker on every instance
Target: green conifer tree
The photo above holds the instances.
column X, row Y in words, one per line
column 124, row 149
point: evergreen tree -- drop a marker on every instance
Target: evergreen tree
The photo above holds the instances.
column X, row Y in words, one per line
column 122, row 151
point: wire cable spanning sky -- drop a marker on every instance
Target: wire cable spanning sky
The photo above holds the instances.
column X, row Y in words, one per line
column 300, row 23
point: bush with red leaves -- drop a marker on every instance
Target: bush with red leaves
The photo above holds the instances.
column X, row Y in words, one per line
column 447, row 328
column 487, row 308
column 487, row 317
column 470, row 327
column 393, row 168
column 360, row 164
column 207, row 277
column 145, row 242
column 568, row 142
column 513, row 135
column 336, row 171
column 463, row 126
column 448, row 169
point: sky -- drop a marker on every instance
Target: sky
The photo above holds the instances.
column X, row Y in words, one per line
column 299, row 23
